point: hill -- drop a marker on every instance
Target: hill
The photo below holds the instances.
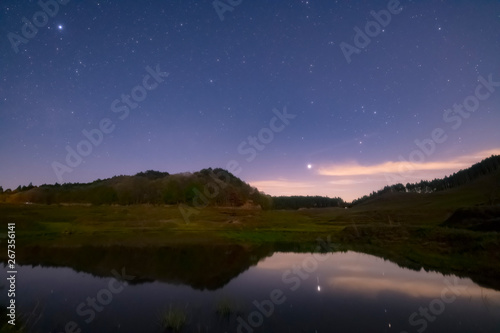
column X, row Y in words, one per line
column 478, row 184
column 207, row 187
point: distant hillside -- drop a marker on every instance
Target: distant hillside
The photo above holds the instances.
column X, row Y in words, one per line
column 482, row 178
column 208, row 187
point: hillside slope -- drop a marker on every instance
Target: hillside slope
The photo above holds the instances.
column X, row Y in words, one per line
column 208, row 187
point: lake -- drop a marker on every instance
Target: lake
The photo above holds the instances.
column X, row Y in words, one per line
column 275, row 292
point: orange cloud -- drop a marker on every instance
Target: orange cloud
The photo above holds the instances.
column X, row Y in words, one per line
column 352, row 180
column 401, row 167
column 282, row 186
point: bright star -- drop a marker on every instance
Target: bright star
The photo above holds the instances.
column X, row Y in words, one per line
column 309, row 166
column 60, row 27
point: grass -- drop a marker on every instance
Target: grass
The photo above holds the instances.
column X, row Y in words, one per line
column 174, row 318
column 225, row 307
column 107, row 225
column 23, row 321
column 8, row 328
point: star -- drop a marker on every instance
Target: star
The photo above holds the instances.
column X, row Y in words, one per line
column 245, row 84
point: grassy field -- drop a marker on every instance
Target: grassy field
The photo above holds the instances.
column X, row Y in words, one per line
column 403, row 227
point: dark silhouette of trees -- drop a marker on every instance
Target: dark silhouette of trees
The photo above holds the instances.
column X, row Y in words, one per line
column 296, row 202
column 152, row 174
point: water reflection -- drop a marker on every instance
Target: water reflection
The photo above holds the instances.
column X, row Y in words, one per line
column 284, row 292
column 201, row 267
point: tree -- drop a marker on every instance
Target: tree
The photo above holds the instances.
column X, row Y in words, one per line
column 172, row 192
column 1, row 189
column 103, row 195
column 152, row 174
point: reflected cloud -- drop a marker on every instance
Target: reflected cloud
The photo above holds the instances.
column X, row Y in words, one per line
column 370, row 276
column 284, row 261
column 372, row 286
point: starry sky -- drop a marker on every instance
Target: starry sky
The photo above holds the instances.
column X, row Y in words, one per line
column 317, row 97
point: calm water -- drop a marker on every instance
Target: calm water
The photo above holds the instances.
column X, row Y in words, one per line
column 336, row 292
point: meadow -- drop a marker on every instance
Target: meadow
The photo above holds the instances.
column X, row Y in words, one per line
column 407, row 228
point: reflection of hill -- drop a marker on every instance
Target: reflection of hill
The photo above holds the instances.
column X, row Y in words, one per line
column 485, row 278
column 459, row 256
column 213, row 266
column 201, row 266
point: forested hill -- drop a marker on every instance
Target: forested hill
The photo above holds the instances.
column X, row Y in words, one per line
column 208, row 187
column 488, row 166
column 212, row 187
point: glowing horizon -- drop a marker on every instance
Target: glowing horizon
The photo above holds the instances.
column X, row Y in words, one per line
column 351, row 180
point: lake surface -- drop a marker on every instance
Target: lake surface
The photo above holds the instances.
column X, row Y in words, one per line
column 283, row 292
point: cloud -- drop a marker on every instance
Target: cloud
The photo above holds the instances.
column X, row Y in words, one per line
column 282, row 186
column 403, row 167
column 351, row 181
column 281, row 183
column 354, row 169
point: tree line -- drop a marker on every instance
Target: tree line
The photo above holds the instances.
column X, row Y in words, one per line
column 462, row 177
column 218, row 186
column 296, row 202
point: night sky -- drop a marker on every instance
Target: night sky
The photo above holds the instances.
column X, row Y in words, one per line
column 281, row 93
